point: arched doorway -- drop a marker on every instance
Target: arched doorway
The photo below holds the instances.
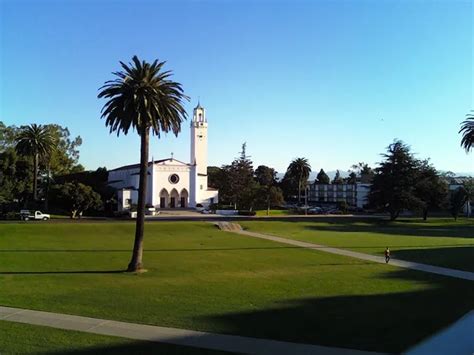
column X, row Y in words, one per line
column 174, row 197
column 184, row 196
column 164, row 197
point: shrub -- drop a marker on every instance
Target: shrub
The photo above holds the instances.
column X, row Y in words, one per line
column 247, row 213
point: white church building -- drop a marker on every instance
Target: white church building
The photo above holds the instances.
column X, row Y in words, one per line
column 171, row 183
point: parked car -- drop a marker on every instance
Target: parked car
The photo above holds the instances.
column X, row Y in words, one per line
column 199, row 207
column 315, row 210
column 26, row 215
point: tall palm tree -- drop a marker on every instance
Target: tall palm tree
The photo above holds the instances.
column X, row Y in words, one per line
column 467, row 131
column 38, row 142
column 144, row 98
column 300, row 169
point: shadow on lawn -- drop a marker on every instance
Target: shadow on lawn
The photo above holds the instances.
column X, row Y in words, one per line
column 387, row 322
column 137, row 347
column 386, row 227
column 62, row 272
column 461, row 258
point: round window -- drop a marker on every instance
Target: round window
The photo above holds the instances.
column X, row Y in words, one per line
column 174, row 178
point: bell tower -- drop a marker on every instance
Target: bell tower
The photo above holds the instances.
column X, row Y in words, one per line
column 198, row 158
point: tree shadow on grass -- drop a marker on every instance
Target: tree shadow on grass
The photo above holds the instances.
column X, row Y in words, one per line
column 461, row 258
column 137, row 347
column 387, row 322
column 462, row 231
column 72, row 272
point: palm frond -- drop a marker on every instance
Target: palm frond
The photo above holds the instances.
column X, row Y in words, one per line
column 467, row 131
column 143, row 96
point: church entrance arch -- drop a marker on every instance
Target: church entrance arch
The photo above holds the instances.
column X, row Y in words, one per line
column 184, row 197
column 174, row 197
column 164, row 197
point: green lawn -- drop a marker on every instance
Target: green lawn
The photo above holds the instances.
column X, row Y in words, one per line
column 263, row 213
column 441, row 242
column 205, row 279
column 18, row 338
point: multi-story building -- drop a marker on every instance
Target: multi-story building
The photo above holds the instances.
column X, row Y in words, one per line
column 353, row 194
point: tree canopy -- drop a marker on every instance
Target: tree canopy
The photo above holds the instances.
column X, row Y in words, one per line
column 322, row 177
column 394, row 182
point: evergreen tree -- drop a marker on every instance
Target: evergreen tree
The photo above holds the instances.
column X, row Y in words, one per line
column 242, row 185
column 393, row 187
column 322, row 178
column 337, row 178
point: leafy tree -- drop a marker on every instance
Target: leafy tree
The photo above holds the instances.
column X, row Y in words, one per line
column 266, row 197
column 393, row 187
column 35, row 141
column 65, row 158
column 469, row 187
column 7, row 136
column 265, row 175
column 97, row 180
column 289, row 186
column 458, row 200
column 364, row 172
column 337, row 178
column 143, row 97
column 271, row 194
column 430, row 188
column 75, row 198
column 15, row 177
column 352, row 179
column 214, row 177
column 323, row 178
column 467, row 131
column 299, row 170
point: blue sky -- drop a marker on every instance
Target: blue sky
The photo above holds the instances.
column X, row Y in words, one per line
column 333, row 81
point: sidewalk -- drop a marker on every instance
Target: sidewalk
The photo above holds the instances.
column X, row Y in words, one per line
column 458, row 338
column 204, row 340
column 465, row 275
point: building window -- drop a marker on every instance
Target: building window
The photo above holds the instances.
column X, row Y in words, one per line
column 201, row 187
column 174, row 178
column 128, row 201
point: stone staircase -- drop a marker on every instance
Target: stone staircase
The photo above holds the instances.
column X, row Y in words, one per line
column 229, row 226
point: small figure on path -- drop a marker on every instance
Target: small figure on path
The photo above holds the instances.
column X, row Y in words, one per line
column 387, row 255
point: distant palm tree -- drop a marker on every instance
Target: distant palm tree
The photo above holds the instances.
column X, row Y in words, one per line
column 299, row 169
column 38, row 142
column 467, row 131
column 142, row 97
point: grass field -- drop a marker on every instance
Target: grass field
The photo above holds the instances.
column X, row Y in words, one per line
column 205, row 279
column 263, row 213
column 18, row 338
column 441, row 242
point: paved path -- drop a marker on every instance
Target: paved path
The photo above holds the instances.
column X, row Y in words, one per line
column 458, row 338
column 230, row 343
column 466, row 275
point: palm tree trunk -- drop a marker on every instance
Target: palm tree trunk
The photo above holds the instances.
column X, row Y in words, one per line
column 299, row 190
column 35, row 177
column 136, row 262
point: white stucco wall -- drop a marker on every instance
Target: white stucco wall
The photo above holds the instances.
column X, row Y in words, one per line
column 192, row 184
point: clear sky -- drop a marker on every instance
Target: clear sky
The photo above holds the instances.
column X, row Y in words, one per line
column 332, row 81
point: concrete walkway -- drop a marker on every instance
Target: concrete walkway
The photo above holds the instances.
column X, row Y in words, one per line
column 458, row 339
column 204, row 340
column 466, row 275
